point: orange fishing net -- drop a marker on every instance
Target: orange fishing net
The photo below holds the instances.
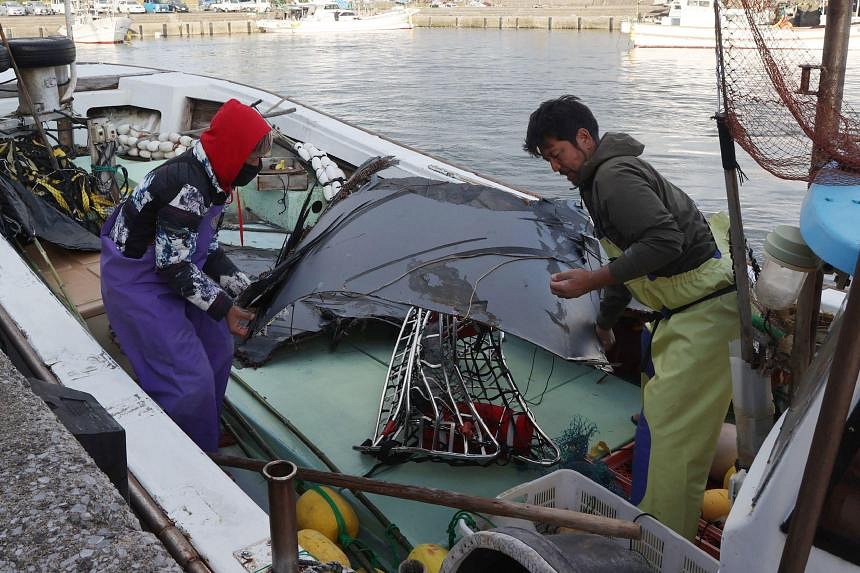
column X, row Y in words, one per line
column 766, row 45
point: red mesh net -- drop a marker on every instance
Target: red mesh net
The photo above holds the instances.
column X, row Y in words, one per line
column 765, row 48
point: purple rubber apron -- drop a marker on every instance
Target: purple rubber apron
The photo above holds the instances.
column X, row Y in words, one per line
column 180, row 355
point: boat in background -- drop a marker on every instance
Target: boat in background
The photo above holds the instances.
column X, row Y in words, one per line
column 90, row 26
column 690, row 24
column 331, row 17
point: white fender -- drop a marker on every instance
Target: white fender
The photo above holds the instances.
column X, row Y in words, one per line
column 329, row 192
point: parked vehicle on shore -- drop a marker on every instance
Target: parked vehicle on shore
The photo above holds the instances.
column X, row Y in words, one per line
column 37, row 9
column 157, row 6
column 12, row 9
column 103, row 6
column 227, row 6
column 255, row 5
column 130, row 7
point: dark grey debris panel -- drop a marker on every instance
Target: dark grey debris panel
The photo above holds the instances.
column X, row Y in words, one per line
column 454, row 248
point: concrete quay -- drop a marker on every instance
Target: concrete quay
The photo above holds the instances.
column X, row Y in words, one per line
column 58, row 511
column 589, row 16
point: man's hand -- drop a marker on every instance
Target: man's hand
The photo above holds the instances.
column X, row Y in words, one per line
column 606, row 337
column 572, row 283
column 237, row 320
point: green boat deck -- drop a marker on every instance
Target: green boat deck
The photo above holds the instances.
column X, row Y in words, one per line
column 332, row 397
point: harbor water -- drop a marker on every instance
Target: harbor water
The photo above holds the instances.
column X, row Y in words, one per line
column 465, row 95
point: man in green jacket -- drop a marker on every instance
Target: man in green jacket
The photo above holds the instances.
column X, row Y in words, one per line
column 663, row 252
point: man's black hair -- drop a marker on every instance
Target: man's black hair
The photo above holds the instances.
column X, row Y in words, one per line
column 560, row 118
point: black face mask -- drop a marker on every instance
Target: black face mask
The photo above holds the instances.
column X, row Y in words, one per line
column 247, row 173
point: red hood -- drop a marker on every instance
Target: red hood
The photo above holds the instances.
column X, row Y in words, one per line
column 235, row 131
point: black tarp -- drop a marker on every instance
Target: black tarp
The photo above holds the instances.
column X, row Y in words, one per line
column 455, row 248
column 24, row 216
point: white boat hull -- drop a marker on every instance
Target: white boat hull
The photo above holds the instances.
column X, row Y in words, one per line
column 396, row 20
column 106, row 30
column 665, row 36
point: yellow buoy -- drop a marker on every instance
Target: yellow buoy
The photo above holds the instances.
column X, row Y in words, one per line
column 321, row 548
column 715, row 504
column 313, row 511
column 429, row 555
column 728, row 477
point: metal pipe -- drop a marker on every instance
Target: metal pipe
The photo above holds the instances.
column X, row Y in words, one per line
column 826, row 440
column 566, row 518
column 308, row 443
column 174, row 540
column 282, row 515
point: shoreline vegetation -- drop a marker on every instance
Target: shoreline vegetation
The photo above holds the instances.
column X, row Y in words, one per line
column 596, row 15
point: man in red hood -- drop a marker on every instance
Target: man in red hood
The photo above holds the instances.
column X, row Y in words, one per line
column 168, row 286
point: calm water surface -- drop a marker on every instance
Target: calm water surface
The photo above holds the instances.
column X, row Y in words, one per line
column 465, row 95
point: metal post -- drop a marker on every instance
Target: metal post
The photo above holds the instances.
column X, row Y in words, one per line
column 22, row 88
column 736, row 226
column 826, row 440
column 282, row 516
column 834, row 59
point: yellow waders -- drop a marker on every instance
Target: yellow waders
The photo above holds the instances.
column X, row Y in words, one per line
column 685, row 402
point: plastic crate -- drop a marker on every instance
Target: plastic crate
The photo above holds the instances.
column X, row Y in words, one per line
column 665, row 550
column 710, row 535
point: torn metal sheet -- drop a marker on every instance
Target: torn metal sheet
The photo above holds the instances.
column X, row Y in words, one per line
column 467, row 250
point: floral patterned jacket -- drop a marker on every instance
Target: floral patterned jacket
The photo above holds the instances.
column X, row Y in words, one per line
column 166, row 210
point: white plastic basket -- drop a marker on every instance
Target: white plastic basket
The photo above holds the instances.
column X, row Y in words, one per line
column 665, row 550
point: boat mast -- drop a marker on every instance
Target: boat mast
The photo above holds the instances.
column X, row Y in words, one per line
column 843, row 374
column 832, row 80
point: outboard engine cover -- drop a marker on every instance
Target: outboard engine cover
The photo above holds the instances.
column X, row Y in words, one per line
column 516, row 550
column 37, row 60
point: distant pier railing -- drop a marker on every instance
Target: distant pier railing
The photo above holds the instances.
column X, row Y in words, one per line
column 197, row 24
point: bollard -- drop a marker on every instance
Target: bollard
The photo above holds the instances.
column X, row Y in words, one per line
column 164, row 30
column 579, row 22
column 229, row 28
column 549, row 23
column 611, row 21
column 210, row 28
column 500, row 22
column 282, row 515
column 188, row 30
column 140, row 31
column 249, row 26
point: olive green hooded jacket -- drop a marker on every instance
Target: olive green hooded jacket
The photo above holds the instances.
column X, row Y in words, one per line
column 658, row 226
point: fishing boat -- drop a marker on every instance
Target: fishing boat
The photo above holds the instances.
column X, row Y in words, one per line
column 690, row 24
column 330, row 373
column 344, row 384
column 327, row 17
column 92, row 26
